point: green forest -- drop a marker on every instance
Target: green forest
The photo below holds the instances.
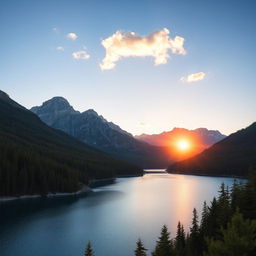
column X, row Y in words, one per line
column 227, row 227
column 37, row 159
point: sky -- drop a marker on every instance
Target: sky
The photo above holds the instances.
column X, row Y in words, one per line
column 148, row 66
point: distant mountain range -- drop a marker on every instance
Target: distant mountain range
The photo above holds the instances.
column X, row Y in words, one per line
column 93, row 129
column 37, row 159
column 199, row 139
column 202, row 138
column 234, row 155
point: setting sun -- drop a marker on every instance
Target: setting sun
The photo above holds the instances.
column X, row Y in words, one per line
column 183, row 145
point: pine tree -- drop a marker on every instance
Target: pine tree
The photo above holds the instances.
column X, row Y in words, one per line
column 212, row 219
column 224, row 207
column 238, row 239
column 180, row 240
column 194, row 237
column 164, row 246
column 88, row 250
column 204, row 219
column 140, row 250
column 204, row 226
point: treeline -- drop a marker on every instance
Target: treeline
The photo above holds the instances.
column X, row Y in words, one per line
column 227, row 227
column 37, row 159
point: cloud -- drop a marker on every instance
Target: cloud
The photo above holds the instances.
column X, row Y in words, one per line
column 80, row 55
column 72, row 36
column 55, row 29
column 60, row 48
column 193, row 77
column 123, row 45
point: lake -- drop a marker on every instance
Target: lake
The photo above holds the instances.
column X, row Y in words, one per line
column 112, row 217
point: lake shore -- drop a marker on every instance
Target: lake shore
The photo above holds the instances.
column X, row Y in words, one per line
column 85, row 189
column 209, row 175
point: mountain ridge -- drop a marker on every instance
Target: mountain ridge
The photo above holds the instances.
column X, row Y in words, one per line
column 96, row 131
column 159, row 139
column 232, row 156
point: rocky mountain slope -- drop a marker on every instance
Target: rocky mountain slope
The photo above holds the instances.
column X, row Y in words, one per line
column 93, row 129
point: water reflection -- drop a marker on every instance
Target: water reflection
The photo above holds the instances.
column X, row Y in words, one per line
column 112, row 217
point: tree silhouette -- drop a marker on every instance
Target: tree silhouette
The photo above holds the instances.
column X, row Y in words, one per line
column 164, row 246
column 140, row 249
column 88, row 250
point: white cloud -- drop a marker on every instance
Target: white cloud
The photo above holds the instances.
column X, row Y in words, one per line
column 123, row 45
column 55, row 29
column 193, row 77
column 80, row 55
column 60, row 48
column 72, row 36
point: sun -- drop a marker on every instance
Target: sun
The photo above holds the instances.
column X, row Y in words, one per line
column 183, row 145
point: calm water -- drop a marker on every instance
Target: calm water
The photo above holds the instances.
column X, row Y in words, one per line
column 111, row 217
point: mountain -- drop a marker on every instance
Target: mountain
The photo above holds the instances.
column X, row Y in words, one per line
column 38, row 159
column 234, row 155
column 93, row 129
column 201, row 138
column 207, row 137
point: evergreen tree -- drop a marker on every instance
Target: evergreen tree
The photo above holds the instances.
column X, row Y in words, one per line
column 238, row 239
column 224, row 207
column 212, row 228
column 180, row 240
column 194, row 237
column 88, row 250
column 204, row 226
column 236, row 191
column 164, row 246
column 140, row 250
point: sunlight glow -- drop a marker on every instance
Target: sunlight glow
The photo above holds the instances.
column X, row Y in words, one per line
column 183, row 145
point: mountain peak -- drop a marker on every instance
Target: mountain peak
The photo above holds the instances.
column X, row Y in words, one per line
column 58, row 102
column 55, row 105
column 91, row 112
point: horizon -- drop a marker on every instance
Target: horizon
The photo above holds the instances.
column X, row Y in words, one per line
column 156, row 133
column 170, row 64
column 161, row 132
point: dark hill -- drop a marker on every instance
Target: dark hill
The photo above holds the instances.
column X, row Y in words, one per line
column 37, row 159
column 234, row 155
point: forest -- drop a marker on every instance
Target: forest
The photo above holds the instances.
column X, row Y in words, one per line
column 227, row 227
column 37, row 159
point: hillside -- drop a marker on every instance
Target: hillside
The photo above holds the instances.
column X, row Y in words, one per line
column 95, row 130
column 234, row 155
column 37, row 159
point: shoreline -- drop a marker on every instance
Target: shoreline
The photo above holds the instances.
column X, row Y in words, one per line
column 83, row 190
column 102, row 182
column 210, row 175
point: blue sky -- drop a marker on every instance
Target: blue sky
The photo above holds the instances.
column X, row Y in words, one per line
column 136, row 94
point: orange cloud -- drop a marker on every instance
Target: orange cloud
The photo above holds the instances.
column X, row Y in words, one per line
column 123, row 45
